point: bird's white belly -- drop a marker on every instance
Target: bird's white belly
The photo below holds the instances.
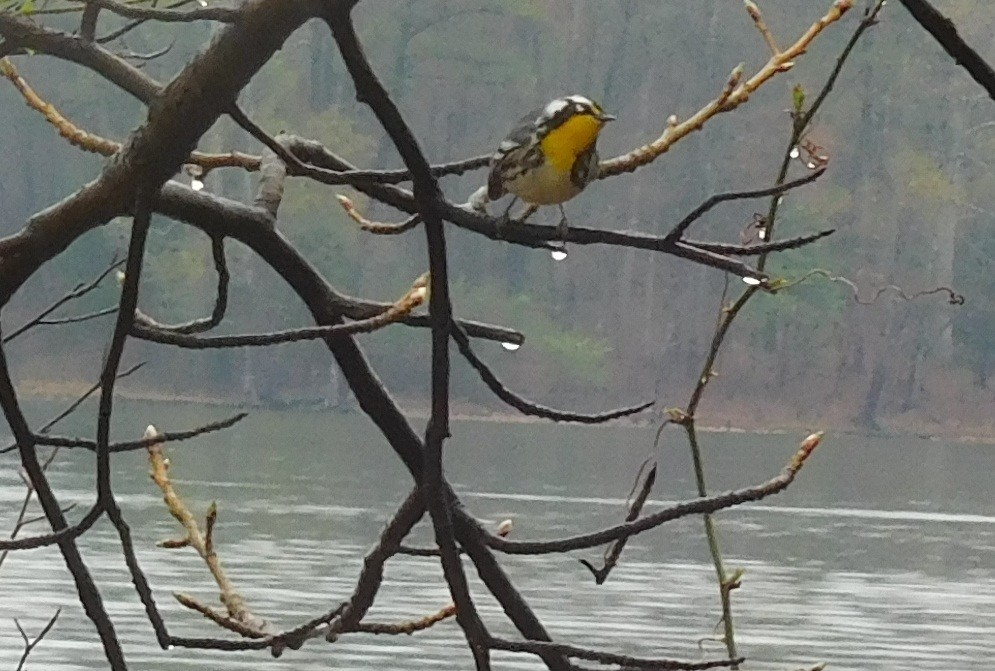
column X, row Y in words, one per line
column 544, row 185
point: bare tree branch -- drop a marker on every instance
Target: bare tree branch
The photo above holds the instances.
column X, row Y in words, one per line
column 133, row 11
column 614, row 551
column 78, row 291
column 220, row 301
column 682, row 226
column 539, row 647
column 731, row 97
column 698, row 506
column 31, row 643
column 945, row 33
column 88, row 594
column 131, row 445
column 525, row 406
column 427, row 196
column 400, row 309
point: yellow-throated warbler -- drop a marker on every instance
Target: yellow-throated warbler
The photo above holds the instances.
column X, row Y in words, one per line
column 548, row 157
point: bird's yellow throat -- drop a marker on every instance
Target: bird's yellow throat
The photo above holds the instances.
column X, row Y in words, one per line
column 570, row 139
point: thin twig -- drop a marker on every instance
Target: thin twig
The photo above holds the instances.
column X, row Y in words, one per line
column 525, row 406
column 727, row 315
column 68, row 533
column 614, row 551
column 625, row 661
column 76, row 319
column 681, row 227
column 760, row 249
column 378, row 227
column 236, row 606
column 220, row 301
column 398, row 311
column 132, row 11
column 697, row 506
column 81, row 289
column 758, row 20
column 72, row 407
column 953, row 297
column 29, row 643
column 725, row 102
column 131, row 445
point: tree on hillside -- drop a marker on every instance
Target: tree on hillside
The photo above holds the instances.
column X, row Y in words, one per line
column 157, row 174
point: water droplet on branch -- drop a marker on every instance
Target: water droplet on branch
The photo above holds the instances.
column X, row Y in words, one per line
column 558, row 254
column 511, row 346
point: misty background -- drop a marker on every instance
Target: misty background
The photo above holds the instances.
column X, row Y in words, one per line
column 909, row 190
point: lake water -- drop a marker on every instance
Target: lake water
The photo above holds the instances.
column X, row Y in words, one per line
column 880, row 556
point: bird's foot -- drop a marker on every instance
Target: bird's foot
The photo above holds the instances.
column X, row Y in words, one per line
column 501, row 225
column 562, row 229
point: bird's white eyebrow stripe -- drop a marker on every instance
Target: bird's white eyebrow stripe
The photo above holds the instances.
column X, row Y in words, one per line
column 555, row 106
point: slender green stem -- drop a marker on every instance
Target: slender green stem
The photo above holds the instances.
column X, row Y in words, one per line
column 713, row 545
column 800, row 124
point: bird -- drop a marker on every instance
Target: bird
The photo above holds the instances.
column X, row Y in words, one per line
column 548, row 157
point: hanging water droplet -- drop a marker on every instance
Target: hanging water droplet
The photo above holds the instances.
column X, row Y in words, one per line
column 752, row 281
column 196, row 184
column 762, row 234
column 795, row 152
column 810, row 165
column 780, row 199
column 558, row 254
column 511, row 346
column 170, row 646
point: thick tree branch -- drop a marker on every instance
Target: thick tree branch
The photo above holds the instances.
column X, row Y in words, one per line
column 427, row 196
column 945, row 32
column 89, row 596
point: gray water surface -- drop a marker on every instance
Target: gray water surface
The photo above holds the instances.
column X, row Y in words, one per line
column 880, row 556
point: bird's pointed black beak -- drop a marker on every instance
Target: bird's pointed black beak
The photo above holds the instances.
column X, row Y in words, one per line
column 605, row 118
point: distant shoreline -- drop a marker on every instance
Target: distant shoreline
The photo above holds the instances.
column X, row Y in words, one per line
column 462, row 411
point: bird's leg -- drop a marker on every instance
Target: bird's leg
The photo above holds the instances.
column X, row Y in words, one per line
column 562, row 227
column 505, row 217
column 527, row 212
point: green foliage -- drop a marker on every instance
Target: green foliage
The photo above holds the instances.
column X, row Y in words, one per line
column 924, row 179
column 908, row 137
